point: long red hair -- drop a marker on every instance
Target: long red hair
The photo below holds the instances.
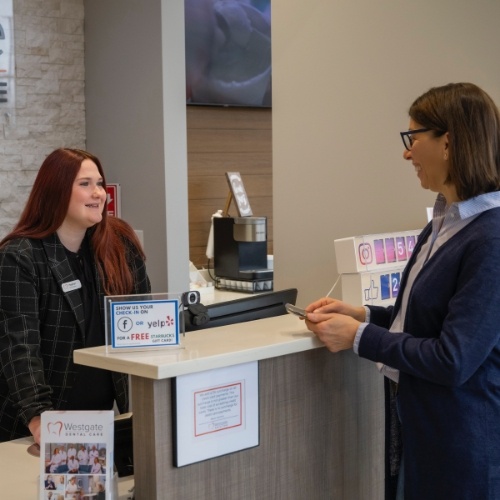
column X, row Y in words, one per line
column 48, row 204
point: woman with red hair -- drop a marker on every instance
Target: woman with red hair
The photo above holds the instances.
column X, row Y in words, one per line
column 57, row 264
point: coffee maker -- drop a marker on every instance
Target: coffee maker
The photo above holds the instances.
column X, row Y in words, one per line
column 240, row 245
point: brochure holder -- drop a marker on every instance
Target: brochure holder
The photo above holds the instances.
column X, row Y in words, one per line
column 76, row 455
column 145, row 322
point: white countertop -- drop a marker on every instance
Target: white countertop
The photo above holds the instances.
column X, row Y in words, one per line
column 209, row 349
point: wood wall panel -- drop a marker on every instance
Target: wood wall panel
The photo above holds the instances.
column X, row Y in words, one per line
column 206, row 117
column 210, row 186
column 219, row 163
column 228, row 141
column 224, row 140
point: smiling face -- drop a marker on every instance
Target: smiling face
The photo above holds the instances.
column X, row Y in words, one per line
column 430, row 157
column 87, row 198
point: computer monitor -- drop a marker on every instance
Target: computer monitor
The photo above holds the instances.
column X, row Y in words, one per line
column 262, row 305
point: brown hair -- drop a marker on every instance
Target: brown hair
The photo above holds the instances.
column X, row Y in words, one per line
column 472, row 121
column 48, row 204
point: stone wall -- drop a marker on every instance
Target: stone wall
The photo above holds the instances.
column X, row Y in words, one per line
column 50, row 102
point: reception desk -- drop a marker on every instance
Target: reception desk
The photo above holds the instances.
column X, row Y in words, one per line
column 315, row 442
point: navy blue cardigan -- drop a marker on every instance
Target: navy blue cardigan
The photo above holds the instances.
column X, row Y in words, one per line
column 449, row 359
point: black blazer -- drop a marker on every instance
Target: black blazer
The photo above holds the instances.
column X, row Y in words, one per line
column 41, row 323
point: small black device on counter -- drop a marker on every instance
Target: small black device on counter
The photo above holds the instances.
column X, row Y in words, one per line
column 259, row 306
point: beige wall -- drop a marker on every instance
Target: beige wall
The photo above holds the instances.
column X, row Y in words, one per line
column 344, row 75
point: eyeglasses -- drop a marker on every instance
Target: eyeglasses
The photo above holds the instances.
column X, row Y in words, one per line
column 407, row 136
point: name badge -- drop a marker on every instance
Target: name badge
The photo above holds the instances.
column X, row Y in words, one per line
column 71, row 285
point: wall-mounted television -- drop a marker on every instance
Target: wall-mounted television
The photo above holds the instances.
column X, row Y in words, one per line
column 228, row 52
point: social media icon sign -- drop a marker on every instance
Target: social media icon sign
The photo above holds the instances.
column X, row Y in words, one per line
column 365, row 253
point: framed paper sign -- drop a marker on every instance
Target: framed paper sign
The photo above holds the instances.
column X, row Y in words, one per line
column 216, row 413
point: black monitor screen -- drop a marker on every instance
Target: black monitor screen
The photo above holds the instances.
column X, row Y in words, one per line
column 263, row 305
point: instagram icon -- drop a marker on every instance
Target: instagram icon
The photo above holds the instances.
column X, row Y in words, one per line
column 365, row 254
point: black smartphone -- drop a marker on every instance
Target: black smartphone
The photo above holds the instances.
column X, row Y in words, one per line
column 301, row 313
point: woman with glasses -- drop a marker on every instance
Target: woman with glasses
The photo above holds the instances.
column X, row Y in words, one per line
column 57, row 264
column 439, row 345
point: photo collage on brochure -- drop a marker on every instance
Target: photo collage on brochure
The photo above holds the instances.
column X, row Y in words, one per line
column 75, row 471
